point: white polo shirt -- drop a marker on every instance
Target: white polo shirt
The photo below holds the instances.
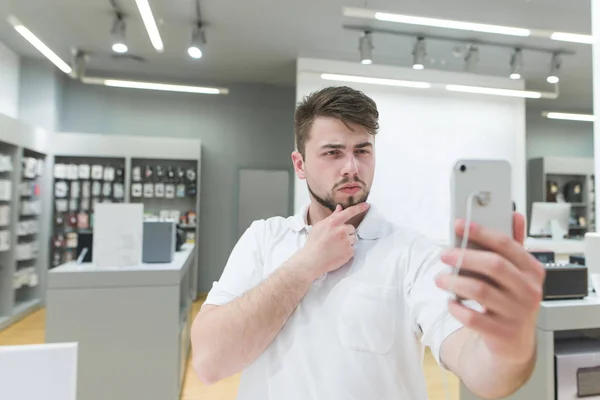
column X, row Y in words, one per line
column 357, row 333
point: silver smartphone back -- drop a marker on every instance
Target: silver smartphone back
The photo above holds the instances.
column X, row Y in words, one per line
column 491, row 176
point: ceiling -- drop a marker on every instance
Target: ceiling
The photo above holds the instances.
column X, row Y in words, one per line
column 257, row 41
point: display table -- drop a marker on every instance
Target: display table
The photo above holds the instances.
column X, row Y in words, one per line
column 562, row 248
column 556, row 319
column 132, row 326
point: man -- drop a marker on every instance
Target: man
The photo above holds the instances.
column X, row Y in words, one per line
column 334, row 302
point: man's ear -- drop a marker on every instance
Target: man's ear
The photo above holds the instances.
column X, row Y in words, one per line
column 298, row 162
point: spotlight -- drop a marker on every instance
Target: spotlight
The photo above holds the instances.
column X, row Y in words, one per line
column 365, row 45
column 419, row 54
column 472, row 58
column 554, row 68
column 198, row 41
column 79, row 63
column 516, row 64
column 118, row 34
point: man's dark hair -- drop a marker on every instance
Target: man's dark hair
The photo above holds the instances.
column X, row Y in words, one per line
column 341, row 102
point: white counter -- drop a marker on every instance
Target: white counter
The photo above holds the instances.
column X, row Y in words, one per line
column 555, row 318
column 562, row 248
column 132, row 325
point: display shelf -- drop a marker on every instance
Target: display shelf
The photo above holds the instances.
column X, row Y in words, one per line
column 21, row 220
column 30, row 219
column 558, row 179
column 79, row 184
column 168, row 189
column 9, row 154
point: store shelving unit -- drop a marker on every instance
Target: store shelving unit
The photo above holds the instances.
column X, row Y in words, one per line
column 79, row 184
column 23, row 219
column 562, row 173
column 168, row 190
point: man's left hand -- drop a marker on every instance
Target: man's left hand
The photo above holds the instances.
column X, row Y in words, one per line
column 510, row 304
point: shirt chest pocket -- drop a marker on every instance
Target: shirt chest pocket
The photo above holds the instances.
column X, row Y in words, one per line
column 367, row 321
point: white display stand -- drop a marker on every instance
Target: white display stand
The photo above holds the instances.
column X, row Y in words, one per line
column 118, row 235
column 132, row 325
column 34, row 372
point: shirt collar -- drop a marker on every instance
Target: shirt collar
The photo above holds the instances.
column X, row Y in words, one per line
column 372, row 226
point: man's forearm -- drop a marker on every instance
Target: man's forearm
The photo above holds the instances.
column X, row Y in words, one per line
column 488, row 376
column 232, row 336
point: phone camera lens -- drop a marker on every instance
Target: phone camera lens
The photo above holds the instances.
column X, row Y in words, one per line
column 463, row 168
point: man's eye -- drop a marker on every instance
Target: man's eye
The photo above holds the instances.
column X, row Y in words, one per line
column 332, row 153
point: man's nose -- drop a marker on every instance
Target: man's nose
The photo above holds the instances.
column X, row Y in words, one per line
column 350, row 166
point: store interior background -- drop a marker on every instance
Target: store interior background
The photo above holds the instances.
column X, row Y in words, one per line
column 254, row 49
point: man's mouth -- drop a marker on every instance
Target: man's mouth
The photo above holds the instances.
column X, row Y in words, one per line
column 350, row 189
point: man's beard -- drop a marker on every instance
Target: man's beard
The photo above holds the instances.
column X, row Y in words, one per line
column 331, row 204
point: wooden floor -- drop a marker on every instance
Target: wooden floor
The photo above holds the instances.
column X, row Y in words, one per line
column 30, row 330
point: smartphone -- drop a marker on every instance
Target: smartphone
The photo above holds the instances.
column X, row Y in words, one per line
column 492, row 178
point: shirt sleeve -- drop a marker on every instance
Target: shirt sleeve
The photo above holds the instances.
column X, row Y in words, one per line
column 243, row 270
column 427, row 304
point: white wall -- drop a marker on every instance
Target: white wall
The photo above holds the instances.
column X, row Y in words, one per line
column 9, row 82
column 596, row 63
column 423, row 133
column 40, row 93
column 556, row 138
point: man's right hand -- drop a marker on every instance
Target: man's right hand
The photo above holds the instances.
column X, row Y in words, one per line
column 329, row 244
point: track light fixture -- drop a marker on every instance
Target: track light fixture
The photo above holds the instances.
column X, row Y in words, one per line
column 365, row 45
column 471, row 58
column 516, row 64
column 118, row 34
column 419, row 54
column 79, row 63
column 198, row 42
column 554, row 68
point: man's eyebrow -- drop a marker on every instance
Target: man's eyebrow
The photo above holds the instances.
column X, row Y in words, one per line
column 333, row 146
column 341, row 146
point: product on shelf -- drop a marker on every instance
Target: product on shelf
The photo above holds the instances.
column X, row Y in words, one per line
column 159, row 190
column 97, row 172
column 5, row 190
column 25, row 277
column 4, row 240
column 148, row 190
column 118, row 191
column 4, row 215
column 6, row 164
column 170, row 191
column 84, row 171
